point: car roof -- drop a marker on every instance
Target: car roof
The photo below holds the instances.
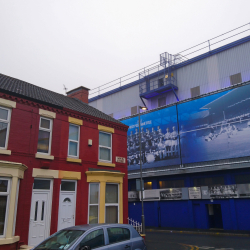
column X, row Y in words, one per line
column 86, row 227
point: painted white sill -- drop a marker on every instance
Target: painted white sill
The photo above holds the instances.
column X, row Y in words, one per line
column 5, row 241
column 5, row 152
column 42, row 156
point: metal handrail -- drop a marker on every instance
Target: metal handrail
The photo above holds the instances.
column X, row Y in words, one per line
column 149, row 69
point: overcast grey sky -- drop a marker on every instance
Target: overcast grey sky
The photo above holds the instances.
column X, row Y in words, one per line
column 54, row 42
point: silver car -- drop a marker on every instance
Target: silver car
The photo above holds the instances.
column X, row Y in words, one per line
column 95, row 236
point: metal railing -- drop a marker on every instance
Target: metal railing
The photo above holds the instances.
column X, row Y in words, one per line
column 137, row 225
column 145, row 87
column 184, row 55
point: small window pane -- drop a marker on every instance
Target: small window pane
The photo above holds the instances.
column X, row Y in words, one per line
column 45, row 123
column 94, row 239
column 94, row 194
column 111, row 214
column 111, row 193
column 93, row 214
column 73, row 132
column 36, row 207
column 68, row 186
column 3, row 185
column 117, row 234
column 41, row 184
column 3, row 114
column 42, row 215
column 3, row 133
column 104, row 139
column 43, row 142
column 67, row 199
column 73, row 148
column 3, row 205
column 105, row 154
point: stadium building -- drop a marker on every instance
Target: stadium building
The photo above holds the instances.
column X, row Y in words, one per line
column 195, row 136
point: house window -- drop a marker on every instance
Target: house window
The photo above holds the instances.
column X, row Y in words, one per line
column 4, row 197
column 93, row 203
column 161, row 101
column 4, row 127
column 209, row 181
column 105, row 146
column 172, row 184
column 147, row 185
column 111, row 203
column 44, row 136
column 195, row 91
column 73, row 149
column 160, row 82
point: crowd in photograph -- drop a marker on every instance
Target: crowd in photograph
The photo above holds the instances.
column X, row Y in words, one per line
column 156, row 145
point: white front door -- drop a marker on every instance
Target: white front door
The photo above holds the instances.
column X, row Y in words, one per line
column 40, row 212
column 66, row 215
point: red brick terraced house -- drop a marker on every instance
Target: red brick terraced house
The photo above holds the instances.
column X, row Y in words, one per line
column 61, row 163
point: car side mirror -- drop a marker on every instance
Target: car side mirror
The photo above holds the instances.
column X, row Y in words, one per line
column 85, row 248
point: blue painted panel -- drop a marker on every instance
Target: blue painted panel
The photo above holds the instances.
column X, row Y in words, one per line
column 174, row 214
column 243, row 213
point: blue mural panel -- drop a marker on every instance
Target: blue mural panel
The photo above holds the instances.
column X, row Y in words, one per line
column 159, row 137
column 211, row 128
column 215, row 127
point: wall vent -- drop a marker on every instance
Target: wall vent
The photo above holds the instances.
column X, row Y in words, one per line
column 134, row 110
column 161, row 101
column 234, row 79
column 195, row 91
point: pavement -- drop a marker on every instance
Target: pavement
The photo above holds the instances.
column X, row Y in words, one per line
column 165, row 239
column 212, row 231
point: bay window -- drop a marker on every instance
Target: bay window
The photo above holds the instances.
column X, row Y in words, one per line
column 93, row 203
column 44, row 136
column 74, row 135
column 4, row 198
column 105, row 146
column 4, row 126
column 111, row 203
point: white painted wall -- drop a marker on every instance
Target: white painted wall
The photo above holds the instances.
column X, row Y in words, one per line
column 210, row 74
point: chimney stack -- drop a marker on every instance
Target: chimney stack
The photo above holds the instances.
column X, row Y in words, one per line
column 81, row 93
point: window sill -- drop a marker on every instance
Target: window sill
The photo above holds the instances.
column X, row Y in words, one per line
column 42, row 156
column 5, row 241
column 74, row 160
column 106, row 164
column 5, row 152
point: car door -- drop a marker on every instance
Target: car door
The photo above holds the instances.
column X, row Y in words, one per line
column 95, row 240
column 119, row 238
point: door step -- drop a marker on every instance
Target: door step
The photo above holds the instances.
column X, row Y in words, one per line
column 25, row 247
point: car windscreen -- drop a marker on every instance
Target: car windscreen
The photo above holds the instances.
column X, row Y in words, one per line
column 61, row 240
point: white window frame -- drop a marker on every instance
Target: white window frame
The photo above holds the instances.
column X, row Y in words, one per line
column 8, row 127
column 113, row 204
column 7, row 206
column 47, row 130
column 96, row 204
column 100, row 146
column 78, row 142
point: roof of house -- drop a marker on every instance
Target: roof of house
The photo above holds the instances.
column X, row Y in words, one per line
column 23, row 89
